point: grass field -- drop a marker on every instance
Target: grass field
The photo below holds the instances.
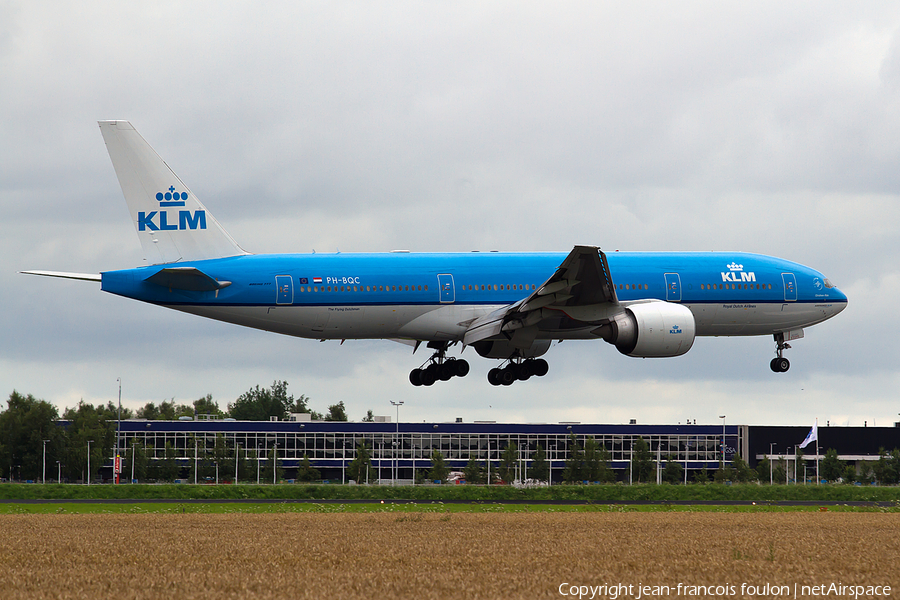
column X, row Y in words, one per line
column 467, row 493
column 397, row 553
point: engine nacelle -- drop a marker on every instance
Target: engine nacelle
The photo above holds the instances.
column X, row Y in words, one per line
column 651, row 330
column 505, row 349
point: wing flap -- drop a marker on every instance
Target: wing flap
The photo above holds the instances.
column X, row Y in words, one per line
column 582, row 286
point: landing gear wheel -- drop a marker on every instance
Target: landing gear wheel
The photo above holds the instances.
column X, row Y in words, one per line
column 429, row 375
column 508, row 375
column 780, row 365
column 447, row 371
column 494, row 376
column 540, row 367
column 462, row 367
column 415, row 377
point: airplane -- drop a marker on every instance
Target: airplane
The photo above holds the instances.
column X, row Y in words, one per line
column 507, row 306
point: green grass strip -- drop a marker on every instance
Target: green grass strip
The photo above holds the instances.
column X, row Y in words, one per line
column 464, row 493
column 414, row 510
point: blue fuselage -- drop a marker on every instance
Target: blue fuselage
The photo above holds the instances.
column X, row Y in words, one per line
column 379, row 295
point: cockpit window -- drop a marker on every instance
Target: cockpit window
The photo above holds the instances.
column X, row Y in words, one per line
column 828, row 283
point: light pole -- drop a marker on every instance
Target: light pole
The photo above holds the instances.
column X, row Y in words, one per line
column 787, row 467
column 396, row 442
column 723, row 440
column 58, row 472
column 237, row 458
column 44, row 464
column 89, row 462
column 524, row 456
column 116, row 464
column 132, row 459
column 274, row 462
column 196, row 460
column 771, row 456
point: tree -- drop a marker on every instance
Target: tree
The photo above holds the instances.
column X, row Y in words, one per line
column 24, row 426
column 272, row 462
column 474, row 472
column 307, row 472
column 762, row 470
column 245, row 469
column 701, row 476
column 673, row 472
column 439, row 470
column 506, row 470
column 88, row 423
column 832, row 468
column 573, row 471
column 136, row 461
column 260, row 404
column 596, row 462
column 166, row 468
column 206, row 406
column 779, row 473
column 540, row 468
column 360, row 469
column 742, row 471
column 336, row 412
column 642, row 464
column 369, row 418
column 169, row 411
column 149, row 411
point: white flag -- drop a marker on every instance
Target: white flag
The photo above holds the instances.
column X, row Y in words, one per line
column 812, row 436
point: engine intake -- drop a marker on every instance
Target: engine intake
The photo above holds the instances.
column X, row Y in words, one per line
column 651, row 330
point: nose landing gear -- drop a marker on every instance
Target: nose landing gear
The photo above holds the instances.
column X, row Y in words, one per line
column 439, row 367
column 780, row 364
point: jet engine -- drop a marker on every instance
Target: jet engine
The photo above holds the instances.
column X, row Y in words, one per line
column 505, row 349
column 651, row 330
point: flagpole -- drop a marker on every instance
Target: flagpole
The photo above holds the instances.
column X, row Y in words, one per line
column 818, row 480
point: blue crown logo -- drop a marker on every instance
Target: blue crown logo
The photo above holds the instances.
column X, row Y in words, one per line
column 171, row 198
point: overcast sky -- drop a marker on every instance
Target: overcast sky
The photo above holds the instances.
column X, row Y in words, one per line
column 766, row 127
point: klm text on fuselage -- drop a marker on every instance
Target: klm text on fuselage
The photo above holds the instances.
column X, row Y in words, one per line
column 159, row 220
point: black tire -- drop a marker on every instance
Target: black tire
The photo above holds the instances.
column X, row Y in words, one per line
column 462, row 367
column 508, row 375
column 541, row 367
column 774, row 365
column 526, row 370
column 428, row 376
column 415, row 377
column 494, row 376
column 446, row 371
column 783, row 365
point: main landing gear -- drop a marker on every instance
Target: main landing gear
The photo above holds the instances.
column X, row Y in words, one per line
column 518, row 371
column 439, row 367
column 780, row 364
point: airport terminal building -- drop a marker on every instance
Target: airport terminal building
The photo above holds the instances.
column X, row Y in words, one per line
column 398, row 450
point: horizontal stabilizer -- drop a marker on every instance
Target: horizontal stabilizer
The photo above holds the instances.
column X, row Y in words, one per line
column 81, row 276
column 186, row 278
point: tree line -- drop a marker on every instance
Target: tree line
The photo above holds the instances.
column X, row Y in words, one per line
column 33, row 444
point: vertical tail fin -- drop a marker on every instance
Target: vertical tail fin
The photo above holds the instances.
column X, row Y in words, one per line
column 171, row 222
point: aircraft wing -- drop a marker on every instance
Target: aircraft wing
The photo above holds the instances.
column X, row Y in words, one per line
column 579, row 293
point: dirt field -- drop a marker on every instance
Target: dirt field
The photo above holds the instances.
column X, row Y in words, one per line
column 433, row 555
